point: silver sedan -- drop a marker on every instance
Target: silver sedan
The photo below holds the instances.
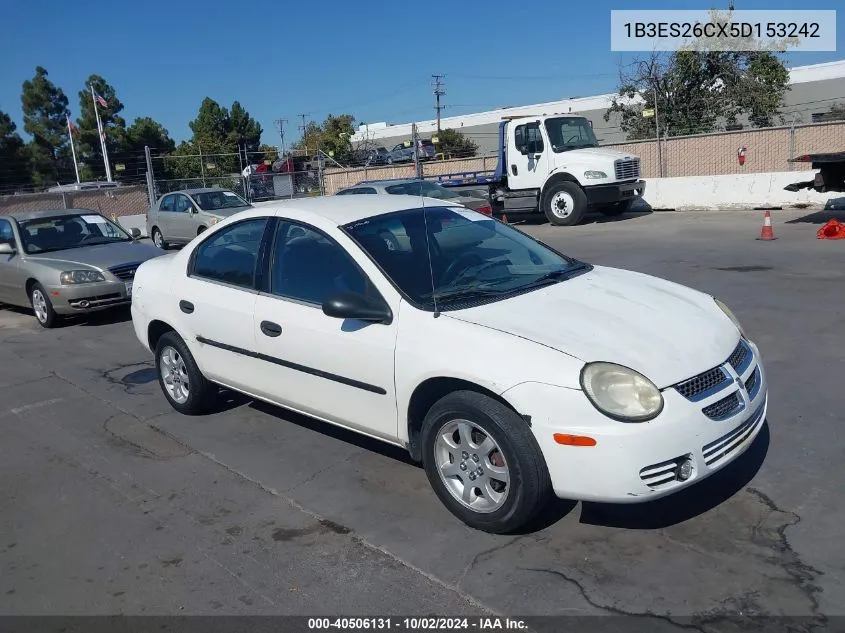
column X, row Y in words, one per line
column 67, row 261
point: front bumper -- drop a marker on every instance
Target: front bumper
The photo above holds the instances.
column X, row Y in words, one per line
column 616, row 192
column 637, row 462
column 82, row 298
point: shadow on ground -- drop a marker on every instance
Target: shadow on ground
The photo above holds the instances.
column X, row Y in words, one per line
column 686, row 504
column 821, row 217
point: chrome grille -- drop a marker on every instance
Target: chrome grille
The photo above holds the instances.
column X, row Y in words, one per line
column 728, row 443
column 703, row 385
column 627, row 168
column 125, row 272
column 723, row 408
column 752, row 384
column 740, row 358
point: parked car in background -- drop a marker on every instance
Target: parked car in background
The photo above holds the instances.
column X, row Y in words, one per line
column 370, row 157
column 180, row 216
column 512, row 372
column 417, row 187
column 404, row 152
column 68, row 261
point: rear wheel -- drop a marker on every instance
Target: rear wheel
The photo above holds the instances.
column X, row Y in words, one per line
column 42, row 306
column 564, row 203
column 181, row 380
column 483, row 462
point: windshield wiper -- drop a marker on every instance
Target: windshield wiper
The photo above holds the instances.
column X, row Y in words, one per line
column 554, row 276
column 466, row 293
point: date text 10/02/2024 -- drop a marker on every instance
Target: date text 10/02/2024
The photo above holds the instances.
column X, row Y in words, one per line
column 480, row 624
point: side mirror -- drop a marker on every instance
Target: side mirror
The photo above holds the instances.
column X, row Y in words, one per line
column 350, row 305
column 6, row 248
column 135, row 233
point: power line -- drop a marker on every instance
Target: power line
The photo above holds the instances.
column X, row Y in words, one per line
column 439, row 91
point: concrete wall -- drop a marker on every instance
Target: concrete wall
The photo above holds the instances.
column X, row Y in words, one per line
column 735, row 191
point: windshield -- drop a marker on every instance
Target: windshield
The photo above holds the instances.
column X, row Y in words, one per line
column 474, row 259
column 422, row 188
column 213, row 200
column 567, row 133
column 62, row 232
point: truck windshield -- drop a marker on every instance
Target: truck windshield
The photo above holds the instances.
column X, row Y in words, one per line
column 568, row 133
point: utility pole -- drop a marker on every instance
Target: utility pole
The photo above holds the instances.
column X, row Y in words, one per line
column 280, row 123
column 657, row 129
column 439, row 91
column 302, row 129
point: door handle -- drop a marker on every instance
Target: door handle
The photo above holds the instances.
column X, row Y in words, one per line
column 514, row 169
column 271, row 329
column 186, row 306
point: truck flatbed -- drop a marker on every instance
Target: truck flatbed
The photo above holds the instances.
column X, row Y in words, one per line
column 831, row 175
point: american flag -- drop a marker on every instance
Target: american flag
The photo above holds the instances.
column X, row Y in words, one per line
column 100, row 100
column 70, row 124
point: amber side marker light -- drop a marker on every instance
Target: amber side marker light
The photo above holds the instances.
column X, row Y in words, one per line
column 574, row 440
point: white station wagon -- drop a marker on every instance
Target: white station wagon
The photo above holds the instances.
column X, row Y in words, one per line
column 512, row 372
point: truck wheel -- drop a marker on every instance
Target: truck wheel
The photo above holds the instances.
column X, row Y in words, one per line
column 564, row 203
column 483, row 462
column 617, row 209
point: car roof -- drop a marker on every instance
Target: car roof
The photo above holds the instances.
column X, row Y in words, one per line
column 342, row 210
column 389, row 181
column 23, row 216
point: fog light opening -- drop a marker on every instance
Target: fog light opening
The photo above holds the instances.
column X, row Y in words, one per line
column 684, row 469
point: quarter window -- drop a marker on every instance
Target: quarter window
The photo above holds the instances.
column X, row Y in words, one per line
column 309, row 266
column 231, row 255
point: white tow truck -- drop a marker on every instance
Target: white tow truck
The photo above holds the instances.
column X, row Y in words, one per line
column 553, row 165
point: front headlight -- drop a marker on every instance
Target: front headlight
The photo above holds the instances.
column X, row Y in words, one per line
column 621, row 393
column 730, row 315
column 594, row 175
column 213, row 221
column 80, row 277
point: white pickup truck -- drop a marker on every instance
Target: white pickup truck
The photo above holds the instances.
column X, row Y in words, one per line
column 554, row 165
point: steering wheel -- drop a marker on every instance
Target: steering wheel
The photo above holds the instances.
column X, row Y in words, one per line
column 459, row 265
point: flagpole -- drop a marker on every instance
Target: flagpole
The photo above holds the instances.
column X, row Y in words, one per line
column 72, row 148
column 102, row 136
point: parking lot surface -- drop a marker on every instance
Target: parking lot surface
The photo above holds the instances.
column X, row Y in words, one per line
column 110, row 502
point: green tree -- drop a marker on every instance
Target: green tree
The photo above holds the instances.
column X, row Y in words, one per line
column 44, row 106
column 243, row 130
column 147, row 132
column 697, row 87
column 220, row 132
column 332, row 137
column 88, row 144
column 14, row 170
column 454, row 144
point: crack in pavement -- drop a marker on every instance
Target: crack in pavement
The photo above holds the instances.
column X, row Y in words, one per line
column 477, row 558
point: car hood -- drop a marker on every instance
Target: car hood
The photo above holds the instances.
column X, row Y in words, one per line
column 597, row 152
column 663, row 330
column 101, row 256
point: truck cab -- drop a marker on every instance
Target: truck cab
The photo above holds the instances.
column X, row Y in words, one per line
column 554, row 164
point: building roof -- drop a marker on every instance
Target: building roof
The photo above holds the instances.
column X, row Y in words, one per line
column 371, row 131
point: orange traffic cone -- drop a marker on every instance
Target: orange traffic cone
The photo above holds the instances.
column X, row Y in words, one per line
column 766, row 233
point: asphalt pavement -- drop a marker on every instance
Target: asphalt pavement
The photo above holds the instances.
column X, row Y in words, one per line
column 110, row 502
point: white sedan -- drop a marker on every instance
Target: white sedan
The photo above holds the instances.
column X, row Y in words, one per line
column 511, row 371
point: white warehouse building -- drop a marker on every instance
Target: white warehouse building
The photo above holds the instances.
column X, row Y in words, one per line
column 813, row 90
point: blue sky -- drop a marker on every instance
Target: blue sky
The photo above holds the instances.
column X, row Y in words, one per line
column 369, row 58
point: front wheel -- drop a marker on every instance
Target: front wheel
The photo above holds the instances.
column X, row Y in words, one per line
column 158, row 239
column 483, row 462
column 564, row 203
column 42, row 307
column 181, row 380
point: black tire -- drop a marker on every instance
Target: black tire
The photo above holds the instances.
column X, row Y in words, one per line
column 44, row 312
column 158, row 238
column 201, row 230
column 617, row 208
column 579, row 203
column 201, row 393
column 529, row 487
